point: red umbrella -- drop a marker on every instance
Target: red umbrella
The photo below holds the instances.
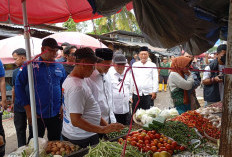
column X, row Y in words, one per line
column 47, row 11
column 77, row 39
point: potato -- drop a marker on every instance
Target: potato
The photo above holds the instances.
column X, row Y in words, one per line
column 55, row 149
column 58, row 153
column 59, row 145
column 54, row 145
column 48, row 150
column 67, row 152
column 49, row 142
column 62, row 149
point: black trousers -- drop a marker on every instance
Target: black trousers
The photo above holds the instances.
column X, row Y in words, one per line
column 2, row 133
column 123, row 118
column 53, row 125
column 145, row 102
column 85, row 142
column 20, row 122
column 163, row 78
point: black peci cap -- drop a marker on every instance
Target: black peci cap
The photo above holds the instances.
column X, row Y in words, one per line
column 144, row 48
column 88, row 53
column 50, row 42
column 104, row 53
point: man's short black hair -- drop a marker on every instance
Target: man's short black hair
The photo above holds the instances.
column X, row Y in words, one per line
column 221, row 47
column 68, row 48
column 65, row 44
column 20, row 52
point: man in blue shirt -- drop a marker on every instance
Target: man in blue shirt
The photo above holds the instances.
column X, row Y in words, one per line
column 20, row 117
column 3, row 103
column 48, row 79
column 62, row 55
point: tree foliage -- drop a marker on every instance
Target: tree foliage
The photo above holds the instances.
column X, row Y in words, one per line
column 212, row 50
column 125, row 20
column 70, row 25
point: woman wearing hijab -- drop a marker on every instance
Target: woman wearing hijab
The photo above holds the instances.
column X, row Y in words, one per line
column 178, row 85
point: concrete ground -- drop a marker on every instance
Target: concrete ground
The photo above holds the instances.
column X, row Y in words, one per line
column 163, row 101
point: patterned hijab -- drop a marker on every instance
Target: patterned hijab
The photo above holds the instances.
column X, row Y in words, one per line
column 178, row 65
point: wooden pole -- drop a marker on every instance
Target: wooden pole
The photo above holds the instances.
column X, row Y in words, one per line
column 226, row 129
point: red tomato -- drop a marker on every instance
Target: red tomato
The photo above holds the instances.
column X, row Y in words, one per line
column 157, row 136
column 177, row 147
column 158, row 150
column 170, row 151
column 182, row 148
column 161, row 140
column 153, row 148
column 160, row 145
column 152, row 136
column 134, row 139
column 174, row 143
column 133, row 143
column 144, row 131
column 147, row 142
column 163, row 149
column 139, row 145
column 134, row 132
column 148, row 148
column 147, row 138
column 169, row 141
column 168, row 146
column 129, row 139
column 153, row 144
column 140, row 137
column 140, row 141
column 143, row 134
column 172, row 148
column 153, row 132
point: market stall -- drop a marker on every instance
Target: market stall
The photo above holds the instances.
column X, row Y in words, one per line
column 155, row 133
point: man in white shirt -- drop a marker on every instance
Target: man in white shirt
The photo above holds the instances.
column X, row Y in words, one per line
column 146, row 79
column 213, row 81
column 82, row 115
column 120, row 99
column 100, row 84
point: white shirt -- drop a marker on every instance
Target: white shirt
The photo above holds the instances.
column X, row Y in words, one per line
column 120, row 99
column 207, row 75
column 78, row 99
column 146, row 78
column 100, row 86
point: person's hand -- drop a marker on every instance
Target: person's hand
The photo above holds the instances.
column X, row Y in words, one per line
column 153, row 96
column 4, row 104
column 217, row 79
column 61, row 113
column 12, row 107
column 131, row 100
column 29, row 117
column 113, row 127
